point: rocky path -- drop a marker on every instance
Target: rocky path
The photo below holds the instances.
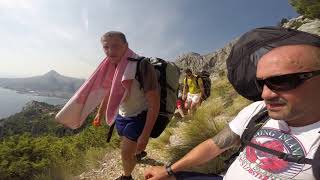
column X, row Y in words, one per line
column 111, row 168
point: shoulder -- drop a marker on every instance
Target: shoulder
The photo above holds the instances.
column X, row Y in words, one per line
column 145, row 65
column 185, row 79
column 144, row 60
column 239, row 123
column 148, row 75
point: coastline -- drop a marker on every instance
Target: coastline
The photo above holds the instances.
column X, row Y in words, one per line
column 13, row 101
column 39, row 93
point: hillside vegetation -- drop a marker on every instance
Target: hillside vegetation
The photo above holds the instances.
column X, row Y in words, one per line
column 209, row 119
column 33, row 146
column 307, row 8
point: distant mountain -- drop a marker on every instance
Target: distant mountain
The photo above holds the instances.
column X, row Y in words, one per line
column 50, row 84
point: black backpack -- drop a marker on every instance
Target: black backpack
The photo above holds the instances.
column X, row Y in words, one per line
column 205, row 76
column 241, row 65
column 168, row 79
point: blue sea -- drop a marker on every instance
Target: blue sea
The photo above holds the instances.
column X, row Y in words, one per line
column 12, row 102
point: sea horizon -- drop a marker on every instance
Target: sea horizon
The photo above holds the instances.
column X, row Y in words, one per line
column 12, row 102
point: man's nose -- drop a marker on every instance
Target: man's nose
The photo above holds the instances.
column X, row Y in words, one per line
column 267, row 93
column 109, row 51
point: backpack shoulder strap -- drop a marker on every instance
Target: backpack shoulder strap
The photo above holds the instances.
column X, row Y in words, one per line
column 255, row 123
column 316, row 163
column 186, row 81
column 197, row 80
column 138, row 60
column 281, row 155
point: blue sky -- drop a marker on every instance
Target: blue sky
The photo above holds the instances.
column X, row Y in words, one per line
column 37, row 36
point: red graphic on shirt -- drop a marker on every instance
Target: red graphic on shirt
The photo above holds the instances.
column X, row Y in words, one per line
column 267, row 161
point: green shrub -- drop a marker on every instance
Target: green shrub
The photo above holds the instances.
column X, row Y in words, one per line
column 296, row 24
column 50, row 157
column 307, row 8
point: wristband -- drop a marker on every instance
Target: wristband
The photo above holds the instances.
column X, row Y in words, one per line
column 169, row 170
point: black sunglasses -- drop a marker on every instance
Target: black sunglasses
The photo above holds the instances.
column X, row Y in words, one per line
column 285, row 82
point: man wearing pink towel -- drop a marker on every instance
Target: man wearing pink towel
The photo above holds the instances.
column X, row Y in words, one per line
column 139, row 106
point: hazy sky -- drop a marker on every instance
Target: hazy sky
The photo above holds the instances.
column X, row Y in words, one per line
column 40, row 35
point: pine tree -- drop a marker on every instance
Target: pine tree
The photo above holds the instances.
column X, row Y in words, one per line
column 307, row 8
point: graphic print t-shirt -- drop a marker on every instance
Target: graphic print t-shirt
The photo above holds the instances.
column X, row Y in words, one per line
column 277, row 135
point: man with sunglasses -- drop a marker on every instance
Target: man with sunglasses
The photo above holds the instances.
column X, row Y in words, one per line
column 289, row 78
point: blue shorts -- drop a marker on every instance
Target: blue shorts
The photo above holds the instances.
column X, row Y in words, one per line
column 183, row 175
column 131, row 127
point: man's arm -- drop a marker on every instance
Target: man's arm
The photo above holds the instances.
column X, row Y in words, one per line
column 152, row 93
column 101, row 110
column 153, row 101
column 200, row 83
column 208, row 150
column 185, row 87
column 102, row 107
column 202, row 153
column 226, row 139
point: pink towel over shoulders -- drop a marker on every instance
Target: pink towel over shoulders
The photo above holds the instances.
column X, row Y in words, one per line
column 107, row 80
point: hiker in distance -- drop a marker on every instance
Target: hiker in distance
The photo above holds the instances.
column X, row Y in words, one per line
column 286, row 145
column 192, row 91
column 180, row 110
column 138, row 107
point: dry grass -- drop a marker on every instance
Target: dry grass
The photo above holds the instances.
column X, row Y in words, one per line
column 208, row 120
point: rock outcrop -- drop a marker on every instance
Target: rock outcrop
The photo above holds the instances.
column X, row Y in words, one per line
column 304, row 24
column 213, row 62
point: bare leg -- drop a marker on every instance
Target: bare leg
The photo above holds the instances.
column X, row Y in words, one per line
column 180, row 110
column 188, row 106
column 194, row 106
column 128, row 150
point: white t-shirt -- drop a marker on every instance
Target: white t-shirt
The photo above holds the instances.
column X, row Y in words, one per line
column 136, row 101
column 277, row 135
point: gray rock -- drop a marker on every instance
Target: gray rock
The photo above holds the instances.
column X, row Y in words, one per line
column 304, row 24
column 311, row 27
column 213, row 62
